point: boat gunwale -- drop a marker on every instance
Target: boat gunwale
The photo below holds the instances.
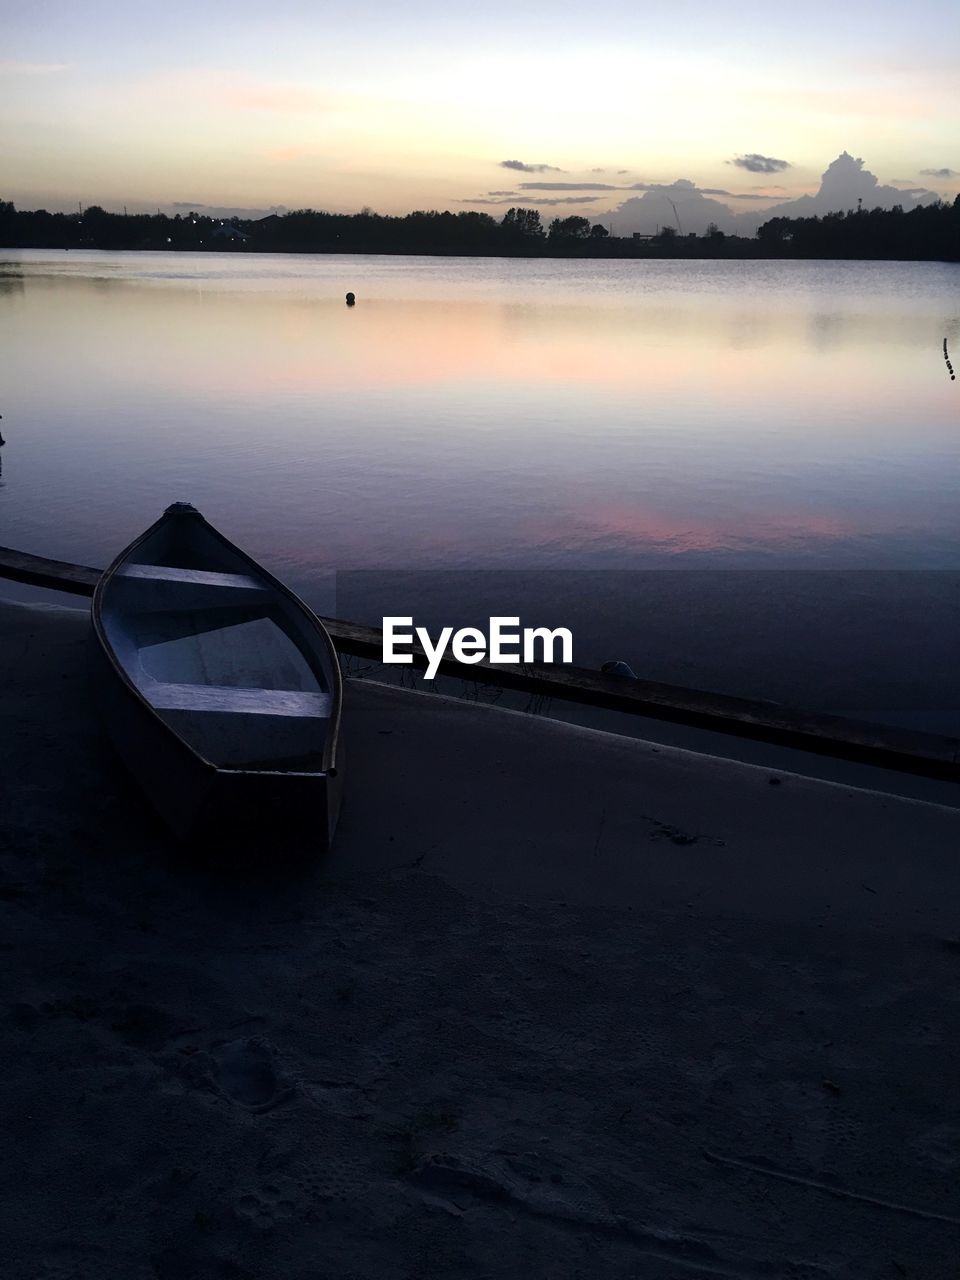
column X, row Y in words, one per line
column 328, row 767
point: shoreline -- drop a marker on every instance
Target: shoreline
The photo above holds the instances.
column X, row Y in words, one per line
column 645, row 255
column 360, row 644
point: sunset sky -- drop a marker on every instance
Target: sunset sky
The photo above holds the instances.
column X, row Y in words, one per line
column 401, row 106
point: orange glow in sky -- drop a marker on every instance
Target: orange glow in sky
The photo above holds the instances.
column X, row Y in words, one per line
column 420, row 105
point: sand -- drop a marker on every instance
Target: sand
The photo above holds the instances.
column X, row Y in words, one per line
column 558, row 1004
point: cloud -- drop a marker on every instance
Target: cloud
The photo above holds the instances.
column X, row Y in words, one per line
column 755, row 163
column 682, row 185
column 667, row 204
column 909, row 188
column 9, row 66
column 568, row 186
column 522, row 167
column 733, row 195
column 656, row 204
column 940, row 173
column 847, row 185
column 531, row 200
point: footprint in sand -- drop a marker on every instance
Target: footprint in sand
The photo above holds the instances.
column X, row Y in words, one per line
column 249, row 1074
column 265, row 1208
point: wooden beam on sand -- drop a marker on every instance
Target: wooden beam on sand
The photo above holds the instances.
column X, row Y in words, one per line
column 37, row 571
column 904, row 750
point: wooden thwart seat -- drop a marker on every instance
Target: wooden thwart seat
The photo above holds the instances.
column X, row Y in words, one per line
column 162, row 588
column 268, row 702
column 191, row 577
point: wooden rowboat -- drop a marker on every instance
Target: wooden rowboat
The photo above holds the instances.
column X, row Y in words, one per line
column 221, row 690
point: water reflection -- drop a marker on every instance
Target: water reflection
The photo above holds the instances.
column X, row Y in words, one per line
column 486, row 413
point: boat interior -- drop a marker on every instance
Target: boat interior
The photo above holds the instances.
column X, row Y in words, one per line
column 229, row 663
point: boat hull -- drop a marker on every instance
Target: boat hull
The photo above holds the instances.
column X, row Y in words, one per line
column 224, row 811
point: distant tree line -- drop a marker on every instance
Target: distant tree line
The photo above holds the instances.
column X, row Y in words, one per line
column 931, row 232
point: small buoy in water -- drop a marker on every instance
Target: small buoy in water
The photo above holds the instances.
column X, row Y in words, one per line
column 619, row 669
column 351, row 299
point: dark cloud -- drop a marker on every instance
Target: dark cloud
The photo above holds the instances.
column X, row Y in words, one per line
column 522, row 167
column 755, row 163
column 940, row 173
column 684, row 187
column 679, row 184
column 734, row 195
column 537, row 200
column 598, row 171
column 568, row 186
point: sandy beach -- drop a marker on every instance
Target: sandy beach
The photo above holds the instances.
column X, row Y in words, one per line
column 559, row 1004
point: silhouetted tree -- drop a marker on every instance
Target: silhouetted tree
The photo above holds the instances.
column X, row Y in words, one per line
column 572, row 228
column 776, row 231
column 523, row 223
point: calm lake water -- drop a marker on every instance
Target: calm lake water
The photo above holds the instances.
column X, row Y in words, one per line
column 558, row 433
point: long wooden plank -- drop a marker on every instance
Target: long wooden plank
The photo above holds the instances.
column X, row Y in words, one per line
column 907, row 751
column 37, row 571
